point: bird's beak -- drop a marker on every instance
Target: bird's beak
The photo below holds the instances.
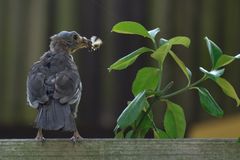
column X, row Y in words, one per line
column 83, row 42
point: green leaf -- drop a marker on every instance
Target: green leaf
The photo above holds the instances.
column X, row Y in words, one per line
column 208, row 103
column 145, row 125
column 128, row 59
column 212, row 74
column 147, row 79
column 159, row 134
column 129, row 134
column 180, row 63
column 228, row 89
column 116, row 128
column 153, row 32
column 189, row 72
column 237, row 56
column 165, row 46
column 132, row 111
column 180, row 40
column 214, row 51
column 161, row 53
column 162, row 41
column 120, row 134
column 174, row 121
column 129, row 27
column 225, row 60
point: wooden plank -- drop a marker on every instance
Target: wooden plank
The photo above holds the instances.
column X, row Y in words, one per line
column 126, row 149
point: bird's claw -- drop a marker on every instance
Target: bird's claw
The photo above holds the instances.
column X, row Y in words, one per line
column 39, row 136
column 40, row 139
column 76, row 137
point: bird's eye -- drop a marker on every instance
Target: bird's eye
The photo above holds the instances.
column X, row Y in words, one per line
column 75, row 37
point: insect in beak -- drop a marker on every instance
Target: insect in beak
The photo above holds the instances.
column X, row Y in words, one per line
column 95, row 43
column 92, row 44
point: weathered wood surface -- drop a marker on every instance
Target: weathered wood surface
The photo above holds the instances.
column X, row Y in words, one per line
column 126, row 149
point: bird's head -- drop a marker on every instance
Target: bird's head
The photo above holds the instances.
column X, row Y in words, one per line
column 71, row 41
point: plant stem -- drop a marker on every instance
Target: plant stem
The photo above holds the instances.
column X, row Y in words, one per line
column 153, row 100
column 154, row 125
column 184, row 89
column 160, row 66
column 160, row 78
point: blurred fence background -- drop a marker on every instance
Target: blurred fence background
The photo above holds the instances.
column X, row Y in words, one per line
column 25, row 28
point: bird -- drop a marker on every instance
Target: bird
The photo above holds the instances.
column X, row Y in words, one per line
column 54, row 86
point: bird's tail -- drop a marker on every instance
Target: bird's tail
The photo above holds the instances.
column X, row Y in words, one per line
column 55, row 116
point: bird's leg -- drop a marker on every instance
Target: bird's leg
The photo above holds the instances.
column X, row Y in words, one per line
column 39, row 136
column 76, row 136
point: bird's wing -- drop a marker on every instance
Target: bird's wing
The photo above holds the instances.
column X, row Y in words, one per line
column 68, row 88
column 54, row 76
column 36, row 90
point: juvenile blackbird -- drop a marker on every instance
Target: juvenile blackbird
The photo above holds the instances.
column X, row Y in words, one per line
column 54, row 86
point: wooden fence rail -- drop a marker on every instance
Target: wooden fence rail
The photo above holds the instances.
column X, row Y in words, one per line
column 125, row 149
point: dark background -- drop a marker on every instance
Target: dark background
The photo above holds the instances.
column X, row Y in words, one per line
column 25, row 28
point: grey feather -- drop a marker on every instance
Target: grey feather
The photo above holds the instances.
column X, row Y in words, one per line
column 54, row 88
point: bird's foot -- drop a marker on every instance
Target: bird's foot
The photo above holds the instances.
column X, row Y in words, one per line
column 40, row 138
column 76, row 136
column 75, row 139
